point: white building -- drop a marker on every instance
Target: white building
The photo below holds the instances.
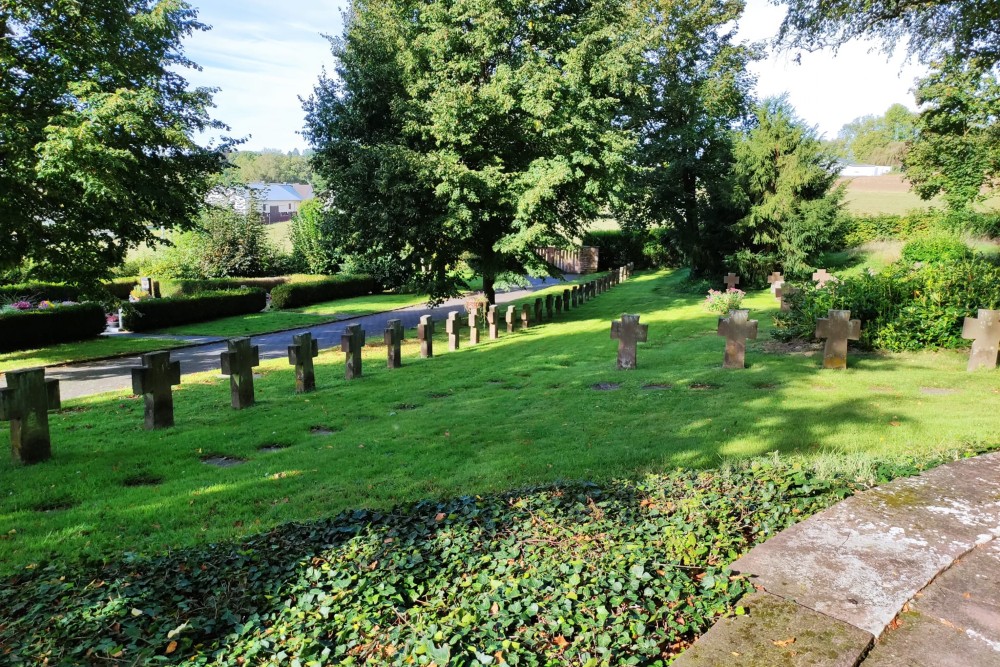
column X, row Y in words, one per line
column 275, row 201
column 849, row 170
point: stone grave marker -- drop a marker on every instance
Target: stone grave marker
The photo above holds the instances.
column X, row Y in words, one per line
column 575, row 296
column 511, row 318
column 837, row 328
column 558, row 302
column 821, row 278
column 525, row 316
column 782, row 293
column 352, row 341
column 238, row 362
column 629, row 268
column 550, row 301
column 732, row 280
column 154, row 381
column 775, row 280
column 393, row 338
column 538, row 310
column 425, row 334
column 984, row 331
column 25, row 403
column 150, row 286
column 737, row 327
column 628, row 332
column 454, row 327
column 301, row 352
column 565, row 299
column 491, row 322
column 474, row 327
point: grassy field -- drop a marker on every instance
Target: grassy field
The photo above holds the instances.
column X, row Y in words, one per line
column 519, row 411
column 96, row 348
column 872, row 195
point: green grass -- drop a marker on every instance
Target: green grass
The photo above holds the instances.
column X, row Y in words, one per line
column 95, row 348
column 501, row 415
column 280, row 235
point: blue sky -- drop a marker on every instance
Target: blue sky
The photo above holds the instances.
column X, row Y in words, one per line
column 264, row 55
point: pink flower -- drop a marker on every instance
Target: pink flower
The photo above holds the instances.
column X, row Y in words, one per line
column 21, row 305
column 45, row 305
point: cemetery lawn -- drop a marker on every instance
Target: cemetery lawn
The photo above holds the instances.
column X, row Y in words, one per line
column 86, row 350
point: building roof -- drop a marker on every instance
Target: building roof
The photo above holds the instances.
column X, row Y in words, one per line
column 275, row 192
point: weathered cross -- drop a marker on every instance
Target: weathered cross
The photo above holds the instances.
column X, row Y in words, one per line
column 238, row 362
column 732, row 280
column 565, row 299
column 575, row 296
column 737, row 327
column 25, row 403
column 301, row 352
column 425, row 334
column 984, row 331
column 782, row 293
column 525, row 316
column 393, row 337
column 351, row 343
column 454, row 327
column 491, row 321
column 550, row 301
column 474, row 327
column 559, row 304
column 775, row 280
column 628, row 333
column 538, row 310
column 511, row 318
column 837, row 328
column 821, row 278
column 153, row 381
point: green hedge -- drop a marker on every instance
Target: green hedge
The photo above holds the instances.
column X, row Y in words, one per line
column 865, row 228
column 936, row 248
column 295, row 295
column 35, row 292
column 152, row 314
column 618, row 248
column 32, row 329
column 901, row 308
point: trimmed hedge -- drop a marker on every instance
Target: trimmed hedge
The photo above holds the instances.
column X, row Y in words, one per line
column 864, row 228
column 152, row 314
column 32, row 329
column 38, row 291
column 294, row 295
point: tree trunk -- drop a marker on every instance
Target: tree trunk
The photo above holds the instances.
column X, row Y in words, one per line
column 491, row 294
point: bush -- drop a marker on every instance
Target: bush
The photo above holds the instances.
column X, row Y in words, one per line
column 901, row 308
column 618, row 247
column 152, row 314
column 863, row 229
column 39, row 291
column 120, row 288
column 33, row 329
column 294, row 295
column 936, row 248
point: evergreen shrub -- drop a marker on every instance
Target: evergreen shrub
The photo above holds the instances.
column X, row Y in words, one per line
column 150, row 314
column 295, row 295
column 936, row 248
column 618, row 247
column 32, row 329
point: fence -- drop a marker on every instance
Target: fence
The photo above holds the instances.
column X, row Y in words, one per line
column 571, row 260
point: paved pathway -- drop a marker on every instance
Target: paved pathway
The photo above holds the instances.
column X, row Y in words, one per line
column 907, row 574
column 97, row 377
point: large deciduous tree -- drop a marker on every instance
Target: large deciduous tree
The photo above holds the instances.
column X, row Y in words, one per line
column 957, row 150
column 97, row 131
column 472, row 130
column 879, row 139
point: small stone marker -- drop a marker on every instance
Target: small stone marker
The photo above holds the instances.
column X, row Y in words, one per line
column 474, row 327
column 525, row 316
column 575, row 296
column 393, row 338
column 732, row 280
column 782, row 292
column 238, row 362
column 538, row 310
column 559, row 304
column 351, row 343
column 775, row 280
column 425, row 334
column 837, row 328
column 301, row 352
column 821, row 278
column 454, row 327
column 150, row 287
column 628, row 332
column 25, row 403
column 153, row 381
column 984, row 331
column 549, row 307
column 511, row 318
column 491, row 322
column 565, row 299
column 737, row 327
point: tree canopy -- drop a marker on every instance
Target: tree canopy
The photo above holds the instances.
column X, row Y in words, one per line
column 97, row 131
column 879, row 139
column 472, row 130
column 271, row 166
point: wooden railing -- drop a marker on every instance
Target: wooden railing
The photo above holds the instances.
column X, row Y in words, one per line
column 571, row 260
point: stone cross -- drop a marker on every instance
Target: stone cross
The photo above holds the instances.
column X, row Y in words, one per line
column 782, row 292
column 454, row 327
column 837, row 328
column 821, row 278
column 559, row 304
column 511, row 318
column 474, row 327
column 153, row 381
column 538, row 310
column 628, row 332
column 565, row 299
column 491, row 322
column 238, row 362
column 984, row 331
column 425, row 334
column 525, row 316
column 629, row 268
column 301, row 352
column 25, row 403
column 732, row 280
column 393, row 338
column 351, row 343
column 575, row 296
column 775, row 280
column 550, row 307
column 737, row 327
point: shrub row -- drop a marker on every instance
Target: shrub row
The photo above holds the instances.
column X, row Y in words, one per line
column 31, row 329
column 35, row 292
column 901, row 308
column 171, row 288
column 152, row 314
column 120, row 288
column 865, row 228
column 618, row 247
column 295, row 295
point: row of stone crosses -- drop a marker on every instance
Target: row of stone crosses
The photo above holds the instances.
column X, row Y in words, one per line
column 29, row 396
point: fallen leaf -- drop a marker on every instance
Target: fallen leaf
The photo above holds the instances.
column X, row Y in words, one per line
column 171, row 647
column 894, row 423
column 440, row 516
column 783, row 642
column 561, row 642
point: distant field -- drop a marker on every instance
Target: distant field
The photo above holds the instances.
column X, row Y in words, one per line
column 280, row 235
column 871, row 195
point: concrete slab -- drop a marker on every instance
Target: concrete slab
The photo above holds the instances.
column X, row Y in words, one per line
column 967, row 596
column 777, row 633
column 861, row 560
column 921, row 641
